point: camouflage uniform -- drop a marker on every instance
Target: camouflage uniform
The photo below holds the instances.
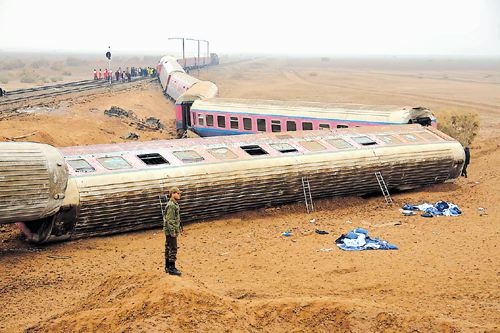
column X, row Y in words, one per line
column 171, row 227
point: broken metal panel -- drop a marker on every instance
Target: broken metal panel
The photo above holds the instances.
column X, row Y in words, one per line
column 33, row 180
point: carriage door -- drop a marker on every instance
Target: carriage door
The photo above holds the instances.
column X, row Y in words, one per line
column 186, row 114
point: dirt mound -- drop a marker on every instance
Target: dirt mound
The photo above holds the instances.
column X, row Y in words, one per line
column 155, row 302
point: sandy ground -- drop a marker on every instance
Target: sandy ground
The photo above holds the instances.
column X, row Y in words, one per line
column 240, row 274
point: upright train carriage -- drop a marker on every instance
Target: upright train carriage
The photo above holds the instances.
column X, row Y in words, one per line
column 74, row 192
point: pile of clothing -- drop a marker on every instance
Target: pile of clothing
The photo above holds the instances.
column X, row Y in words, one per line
column 358, row 240
column 439, row 208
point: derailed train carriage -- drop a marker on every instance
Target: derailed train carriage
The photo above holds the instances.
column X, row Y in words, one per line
column 74, row 192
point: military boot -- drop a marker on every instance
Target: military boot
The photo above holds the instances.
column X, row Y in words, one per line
column 167, row 266
column 172, row 270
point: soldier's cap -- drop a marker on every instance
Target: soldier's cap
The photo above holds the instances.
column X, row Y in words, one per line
column 174, row 190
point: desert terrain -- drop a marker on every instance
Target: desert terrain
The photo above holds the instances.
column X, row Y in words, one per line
column 240, row 273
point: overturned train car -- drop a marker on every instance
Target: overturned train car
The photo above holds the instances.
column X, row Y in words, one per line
column 106, row 189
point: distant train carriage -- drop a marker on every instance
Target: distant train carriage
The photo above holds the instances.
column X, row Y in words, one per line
column 175, row 81
column 224, row 116
column 106, row 189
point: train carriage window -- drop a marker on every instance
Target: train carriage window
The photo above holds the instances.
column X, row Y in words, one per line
column 324, row 126
column 254, row 150
column 200, row 120
column 247, row 124
column 428, row 136
column 291, row 126
column 152, row 159
column 339, row 143
column 81, row 165
column 342, row 126
column 234, row 122
column 188, row 156
column 194, row 118
column 261, row 125
column 364, row 140
column 284, row 147
column 312, row 145
column 210, row 120
column 114, row 163
column 222, row 153
column 221, row 121
column 307, row 126
column 389, row 139
column 275, row 125
column 410, row 137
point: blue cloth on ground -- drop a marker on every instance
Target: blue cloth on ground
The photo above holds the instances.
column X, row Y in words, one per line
column 358, row 240
column 439, row 208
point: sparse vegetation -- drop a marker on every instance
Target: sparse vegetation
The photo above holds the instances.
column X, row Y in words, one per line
column 313, row 74
column 41, row 63
column 57, row 65
column 27, row 79
column 462, row 126
column 12, row 64
column 75, row 62
column 66, row 73
column 56, row 79
column 4, row 79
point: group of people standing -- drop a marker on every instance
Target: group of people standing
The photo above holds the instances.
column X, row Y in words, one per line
column 123, row 75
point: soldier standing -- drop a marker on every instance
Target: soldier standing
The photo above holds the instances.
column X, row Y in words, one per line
column 172, row 228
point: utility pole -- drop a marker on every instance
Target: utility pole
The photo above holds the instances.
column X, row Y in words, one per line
column 183, row 53
column 198, row 59
column 208, row 47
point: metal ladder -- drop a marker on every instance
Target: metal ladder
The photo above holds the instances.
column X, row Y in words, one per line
column 383, row 187
column 163, row 202
column 306, row 187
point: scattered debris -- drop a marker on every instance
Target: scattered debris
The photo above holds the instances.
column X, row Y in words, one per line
column 154, row 123
column 149, row 124
column 482, row 211
column 13, row 138
column 115, row 111
column 287, row 233
column 439, row 208
column 321, row 232
column 313, row 221
column 326, row 249
column 58, row 257
column 408, row 212
column 388, row 224
column 358, row 240
column 130, row 136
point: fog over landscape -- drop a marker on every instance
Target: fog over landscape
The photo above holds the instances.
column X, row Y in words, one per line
column 360, row 27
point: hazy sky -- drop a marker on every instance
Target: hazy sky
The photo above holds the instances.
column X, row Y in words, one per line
column 364, row 27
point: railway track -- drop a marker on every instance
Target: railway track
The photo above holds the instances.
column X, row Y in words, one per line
column 32, row 94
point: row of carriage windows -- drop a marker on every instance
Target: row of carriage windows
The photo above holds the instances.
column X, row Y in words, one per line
column 223, row 153
column 234, row 123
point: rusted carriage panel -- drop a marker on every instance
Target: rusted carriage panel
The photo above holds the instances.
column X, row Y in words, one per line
column 33, row 180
